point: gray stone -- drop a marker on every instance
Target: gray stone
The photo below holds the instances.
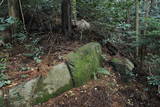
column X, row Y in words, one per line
column 21, row 95
column 125, row 63
column 124, row 66
column 55, row 82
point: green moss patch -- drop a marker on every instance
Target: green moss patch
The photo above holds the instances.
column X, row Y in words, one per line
column 84, row 62
column 55, row 83
column 46, row 96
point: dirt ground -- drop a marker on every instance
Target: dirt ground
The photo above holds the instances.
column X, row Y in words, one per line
column 107, row 91
column 97, row 93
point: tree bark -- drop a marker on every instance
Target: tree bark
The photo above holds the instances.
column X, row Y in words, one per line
column 66, row 18
column 74, row 9
column 147, row 6
column 137, row 25
column 14, row 11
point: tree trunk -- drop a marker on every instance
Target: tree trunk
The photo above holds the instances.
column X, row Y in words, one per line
column 74, row 9
column 14, row 11
column 137, row 25
column 147, row 6
column 66, row 18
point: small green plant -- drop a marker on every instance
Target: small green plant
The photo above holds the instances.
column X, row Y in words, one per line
column 35, row 52
column 103, row 71
column 3, row 78
column 154, row 80
column 21, row 37
column 35, row 41
column 2, row 67
column 8, row 46
column 5, row 23
column 24, row 76
column 25, row 69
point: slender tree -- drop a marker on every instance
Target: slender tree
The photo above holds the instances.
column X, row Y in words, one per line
column 137, row 24
column 74, row 10
column 147, row 5
column 66, row 18
column 14, row 11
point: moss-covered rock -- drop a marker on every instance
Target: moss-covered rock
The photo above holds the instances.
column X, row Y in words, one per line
column 124, row 66
column 123, row 61
column 54, row 83
column 84, row 62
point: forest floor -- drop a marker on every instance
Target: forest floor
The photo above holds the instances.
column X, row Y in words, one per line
column 106, row 91
column 21, row 67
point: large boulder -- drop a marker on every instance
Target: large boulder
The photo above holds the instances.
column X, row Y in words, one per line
column 55, row 82
column 84, row 62
column 124, row 66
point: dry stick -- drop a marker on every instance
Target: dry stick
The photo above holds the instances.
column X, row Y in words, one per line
column 1, row 2
column 20, row 5
column 50, row 49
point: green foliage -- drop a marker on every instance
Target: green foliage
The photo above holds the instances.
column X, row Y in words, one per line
column 21, row 37
column 115, row 21
column 8, row 46
column 25, row 68
column 10, row 20
column 3, row 61
column 103, row 71
column 150, row 38
column 112, row 17
column 24, row 76
column 5, row 23
column 154, row 80
column 152, row 63
column 4, row 80
column 36, row 52
column 3, row 67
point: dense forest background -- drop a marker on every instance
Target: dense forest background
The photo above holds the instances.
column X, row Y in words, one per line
column 127, row 27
